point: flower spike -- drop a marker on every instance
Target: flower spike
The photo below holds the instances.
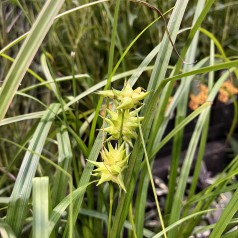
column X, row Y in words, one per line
column 114, row 162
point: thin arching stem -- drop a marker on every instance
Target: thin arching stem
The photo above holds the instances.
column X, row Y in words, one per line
column 166, row 28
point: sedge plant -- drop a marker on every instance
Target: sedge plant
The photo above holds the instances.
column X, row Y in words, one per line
column 52, row 155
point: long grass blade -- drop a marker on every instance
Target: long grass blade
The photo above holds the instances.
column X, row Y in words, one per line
column 152, row 182
column 5, row 230
column 226, row 216
column 136, row 157
column 86, row 175
column 64, row 204
column 176, row 208
column 206, row 198
column 204, row 135
column 182, row 124
column 64, row 159
column 163, row 57
column 182, row 110
column 194, row 30
column 40, row 207
column 27, row 53
column 176, row 224
column 17, row 209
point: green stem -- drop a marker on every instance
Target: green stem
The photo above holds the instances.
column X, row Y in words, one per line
column 74, row 84
column 25, row 12
column 121, row 129
column 113, row 39
column 110, row 67
column 110, row 210
column 151, row 179
column 71, row 223
column 235, row 118
column 132, row 221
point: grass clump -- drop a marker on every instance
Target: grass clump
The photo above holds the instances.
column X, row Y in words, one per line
column 59, row 113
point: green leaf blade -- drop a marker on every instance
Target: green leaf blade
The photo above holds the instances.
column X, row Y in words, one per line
column 17, row 209
column 40, row 207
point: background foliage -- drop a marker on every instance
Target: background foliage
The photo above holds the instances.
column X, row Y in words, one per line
column 64, row 52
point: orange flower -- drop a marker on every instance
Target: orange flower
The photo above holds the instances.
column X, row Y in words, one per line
column 226, row 90
column 200, row 98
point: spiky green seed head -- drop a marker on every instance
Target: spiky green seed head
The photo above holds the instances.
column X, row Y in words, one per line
column 129, row 98
column 123, row 123
column 114, row 162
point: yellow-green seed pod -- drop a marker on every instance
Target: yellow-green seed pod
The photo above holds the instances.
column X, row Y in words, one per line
column 128, row 97
column 106, row 93
column 114, row 162
column 122, row 124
